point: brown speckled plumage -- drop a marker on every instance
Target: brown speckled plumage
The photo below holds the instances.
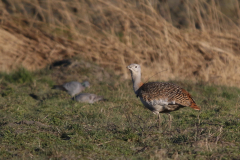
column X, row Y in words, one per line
column 174, row 96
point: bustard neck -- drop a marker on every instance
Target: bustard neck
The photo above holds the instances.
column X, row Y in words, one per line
column 136, row 79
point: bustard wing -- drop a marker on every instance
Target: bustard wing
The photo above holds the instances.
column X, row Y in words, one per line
column 168, row 93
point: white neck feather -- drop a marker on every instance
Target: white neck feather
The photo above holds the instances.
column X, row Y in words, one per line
column 136, row 79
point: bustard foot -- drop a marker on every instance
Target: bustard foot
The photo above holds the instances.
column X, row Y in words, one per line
column 170, row 121
column 159, row 121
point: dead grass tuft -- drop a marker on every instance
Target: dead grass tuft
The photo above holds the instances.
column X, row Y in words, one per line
column 117, row 33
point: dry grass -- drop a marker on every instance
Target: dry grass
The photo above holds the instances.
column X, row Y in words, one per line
column 116, row 33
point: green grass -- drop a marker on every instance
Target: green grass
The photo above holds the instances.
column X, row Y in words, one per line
column 21, row 75
column 55, row 127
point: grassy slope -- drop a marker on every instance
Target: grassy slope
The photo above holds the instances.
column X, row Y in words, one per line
column 56, row 127
column 114, row 33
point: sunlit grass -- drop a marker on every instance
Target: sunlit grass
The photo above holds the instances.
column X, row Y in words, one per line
column 54, row 126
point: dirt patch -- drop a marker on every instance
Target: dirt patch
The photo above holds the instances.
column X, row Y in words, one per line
column 79, row 70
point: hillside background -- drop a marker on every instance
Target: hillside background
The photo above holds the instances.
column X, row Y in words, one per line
column 197, row 40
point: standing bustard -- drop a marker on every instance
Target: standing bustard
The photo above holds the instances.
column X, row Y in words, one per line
column 160, row 97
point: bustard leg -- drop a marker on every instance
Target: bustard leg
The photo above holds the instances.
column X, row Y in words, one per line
column 159, row 121
column 170, row 121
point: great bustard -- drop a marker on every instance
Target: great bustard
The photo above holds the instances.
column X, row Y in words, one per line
column 160, row 97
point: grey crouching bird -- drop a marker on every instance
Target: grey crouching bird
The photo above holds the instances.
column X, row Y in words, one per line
column 88, row 97
column 160, row 97
column 72, row 87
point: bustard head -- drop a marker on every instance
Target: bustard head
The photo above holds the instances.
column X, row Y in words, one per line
column 135, row 69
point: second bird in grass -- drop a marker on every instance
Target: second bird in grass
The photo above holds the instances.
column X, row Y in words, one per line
column 88, row 97
column 160, row 97
column 72, row 87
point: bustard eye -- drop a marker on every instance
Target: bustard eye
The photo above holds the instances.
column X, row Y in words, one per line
column 135, row 66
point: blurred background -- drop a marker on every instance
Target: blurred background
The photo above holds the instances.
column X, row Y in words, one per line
column 197, row 40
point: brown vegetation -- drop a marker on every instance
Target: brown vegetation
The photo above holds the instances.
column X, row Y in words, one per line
column 194, row 40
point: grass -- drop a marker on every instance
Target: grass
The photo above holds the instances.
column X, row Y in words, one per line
column 55, row 127
column 21, row 75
